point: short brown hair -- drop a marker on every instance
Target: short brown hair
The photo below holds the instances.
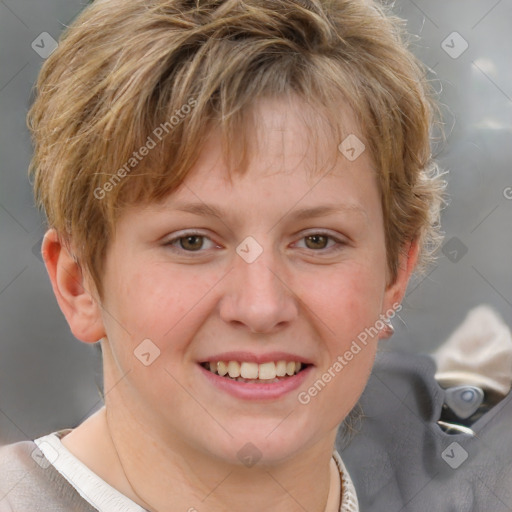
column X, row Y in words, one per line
column 127, row 67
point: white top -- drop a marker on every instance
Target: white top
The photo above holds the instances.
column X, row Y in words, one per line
column 105, row 498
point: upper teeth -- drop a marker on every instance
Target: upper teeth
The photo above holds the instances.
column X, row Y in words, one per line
column 246, row 370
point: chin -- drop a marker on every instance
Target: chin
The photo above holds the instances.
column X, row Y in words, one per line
column 269, row 443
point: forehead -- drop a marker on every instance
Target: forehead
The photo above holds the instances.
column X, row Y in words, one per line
column 285, row 136
column 295, row 164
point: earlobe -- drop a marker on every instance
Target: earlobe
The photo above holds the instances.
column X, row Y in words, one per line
column 81, row 309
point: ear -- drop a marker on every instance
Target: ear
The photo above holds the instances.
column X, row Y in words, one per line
column 73, row 293
column 407, row 263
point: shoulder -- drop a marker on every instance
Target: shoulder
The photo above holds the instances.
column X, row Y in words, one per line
column 15, row 461
column 400, row 457
column 29, row 482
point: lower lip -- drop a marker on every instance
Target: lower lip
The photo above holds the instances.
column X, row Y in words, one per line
column 257, row 391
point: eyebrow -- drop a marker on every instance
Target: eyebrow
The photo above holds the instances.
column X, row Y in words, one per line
column 298, row 214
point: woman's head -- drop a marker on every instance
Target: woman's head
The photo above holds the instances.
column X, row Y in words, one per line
column 248, row 274
column 249, row 185
column 129, row 97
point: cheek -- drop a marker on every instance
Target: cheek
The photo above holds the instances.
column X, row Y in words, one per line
column 347, row 307
column 353, row 313
column 161, row 303
column 345, row 300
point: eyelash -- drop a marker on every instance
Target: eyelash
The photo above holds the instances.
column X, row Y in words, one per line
column 170, row 243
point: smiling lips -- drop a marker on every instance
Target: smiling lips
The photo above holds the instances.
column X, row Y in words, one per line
column 253, row 372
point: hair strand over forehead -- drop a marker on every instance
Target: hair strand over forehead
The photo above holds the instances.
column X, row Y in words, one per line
column 132, row 78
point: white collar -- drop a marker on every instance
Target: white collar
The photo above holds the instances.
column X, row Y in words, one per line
column 105, row 498
column 349, row 501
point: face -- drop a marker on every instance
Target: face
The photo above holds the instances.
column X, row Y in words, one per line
column 293, row 270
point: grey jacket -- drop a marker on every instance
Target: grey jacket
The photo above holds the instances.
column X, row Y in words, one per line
column 401, row 460
column 30, row 486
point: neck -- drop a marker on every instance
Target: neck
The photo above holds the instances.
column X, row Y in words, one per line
column 154, row 475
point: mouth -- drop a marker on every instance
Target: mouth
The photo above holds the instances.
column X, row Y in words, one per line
column 251, row 372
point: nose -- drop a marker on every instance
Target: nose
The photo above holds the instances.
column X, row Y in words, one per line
column 257, row 296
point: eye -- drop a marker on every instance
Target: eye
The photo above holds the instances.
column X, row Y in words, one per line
column 193, row 241
column 189, row 242
column 318, row 241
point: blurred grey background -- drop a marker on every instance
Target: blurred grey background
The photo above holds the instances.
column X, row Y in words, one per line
column 48, row 379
